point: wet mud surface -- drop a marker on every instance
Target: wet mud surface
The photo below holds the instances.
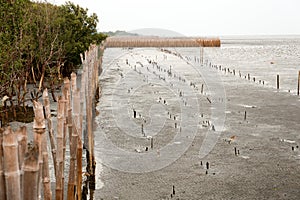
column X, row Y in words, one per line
column 169, row 128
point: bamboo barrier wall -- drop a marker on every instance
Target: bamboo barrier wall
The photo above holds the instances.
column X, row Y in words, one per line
column 24, row 169
column 138, row 41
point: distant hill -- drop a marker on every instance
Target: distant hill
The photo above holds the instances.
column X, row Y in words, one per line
column 120, row 33
column 156, row 32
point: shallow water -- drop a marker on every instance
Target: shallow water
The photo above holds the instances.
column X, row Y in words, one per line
column 261, row 58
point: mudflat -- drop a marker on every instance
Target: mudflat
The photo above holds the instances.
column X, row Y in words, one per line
column 255, row 155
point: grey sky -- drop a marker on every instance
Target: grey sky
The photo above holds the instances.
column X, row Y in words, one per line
column 198, row 17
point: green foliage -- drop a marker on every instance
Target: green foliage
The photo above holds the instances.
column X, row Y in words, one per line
column 38, row 40
column 11, row 26
column 79, row 31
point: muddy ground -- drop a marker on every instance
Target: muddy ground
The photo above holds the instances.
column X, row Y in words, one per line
column 252, row 157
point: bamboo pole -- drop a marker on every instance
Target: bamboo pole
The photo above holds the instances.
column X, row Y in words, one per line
column 73, row 145
column 11, row 164
column 67, row 124
column 78, row 121
column 89, row 119
column 39, row 128
column 298, row 83
column 46, row 171
column 72, row 171
column 22, row 141
column 22, row 150
column 31, row 173
column 73, row 82
column 277, row 81
column 50, row 127
column 2, row 178
column 60, row 144
column 83, row 102
column 79, row 167
column 80, row 134
column 68, row 110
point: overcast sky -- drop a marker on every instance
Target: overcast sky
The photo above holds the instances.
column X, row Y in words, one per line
column 198, row 17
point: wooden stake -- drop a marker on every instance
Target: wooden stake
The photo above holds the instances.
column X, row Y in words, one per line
column 67, row 125
column 208, row 100
column 89, row 119
column 39, row 128
column 73, row 145
column 11, row 164
column 245, row 116
column 151, row 143
column 173, row 190
column 73, row 82
column 22, row 141
column 60, row 144
column 2, row 178
column 298, row 83
column 31, row 173
column 277, row 81
column 50, row 127
column 79, row 150
column 79, row 169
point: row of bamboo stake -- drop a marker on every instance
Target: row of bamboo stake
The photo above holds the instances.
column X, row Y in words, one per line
column 24, row 168
column 139, row 41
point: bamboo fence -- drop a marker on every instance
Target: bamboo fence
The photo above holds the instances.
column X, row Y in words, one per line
column 140, row 41
column 24, row 168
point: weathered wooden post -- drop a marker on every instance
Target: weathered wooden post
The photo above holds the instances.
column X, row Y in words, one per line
column 68, row 109
column 22, row 141
column 201, row 53
column 277, row 81
column 50, row 127
column 73, row 145
column 11, row 164
column 298, row 83
column 83, row 95
column 22, row 149
column 79, row 153
column 60, row 144
column 2, row 178
column 46, row 171
column 151, row 142
column 89, row 116
column 82, row 131
column 67, row 131
column 39, row 128
column 73, row 82
column 31, row 173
